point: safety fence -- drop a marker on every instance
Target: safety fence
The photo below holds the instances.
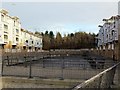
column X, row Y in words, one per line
column 40, row 64
column 49, row 65
column 105, row 79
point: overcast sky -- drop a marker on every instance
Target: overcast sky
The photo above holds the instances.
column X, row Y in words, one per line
column 65, row 17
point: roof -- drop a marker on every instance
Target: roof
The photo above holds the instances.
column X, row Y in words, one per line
column 31, row 33
column 4, row 11
column 15, row 17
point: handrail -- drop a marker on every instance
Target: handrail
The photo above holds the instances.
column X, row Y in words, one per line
column 82, row 85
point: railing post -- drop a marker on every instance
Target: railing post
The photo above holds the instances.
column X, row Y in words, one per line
column 1, row 64
column 2, row 67
column 119, row 50
column 62, row 68
column 30, row 68
column 43, row 63
column 118, row 70
column 111, row 76
column 8, row 60
column 112, row 73
column 100, row 81
column 25, row 61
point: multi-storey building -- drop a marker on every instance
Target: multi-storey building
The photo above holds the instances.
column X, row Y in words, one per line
column 12, row 36
column 30, row 40
column 108, row 33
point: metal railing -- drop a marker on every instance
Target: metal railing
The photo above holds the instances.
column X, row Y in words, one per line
column 102, row 80
column 38, row 64
column 52, row 65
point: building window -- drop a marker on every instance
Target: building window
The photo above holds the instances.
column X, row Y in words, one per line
column 17, row 39
column 114, row 26
column 32, row 42
column 17, row 31
column 5, row 37
column 113, row 34
column 26, row 41
column 37, row 43
column 14, row 23
column 5, row 27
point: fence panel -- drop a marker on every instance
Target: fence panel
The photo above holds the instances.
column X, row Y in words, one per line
column 102, row 80
column 55, row 65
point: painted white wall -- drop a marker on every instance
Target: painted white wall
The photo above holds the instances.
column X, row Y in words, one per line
column 13, row 24
column 37, row 41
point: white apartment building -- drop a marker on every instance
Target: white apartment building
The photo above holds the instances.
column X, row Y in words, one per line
column 108, row 33
column 30, row 40
column 12, row 35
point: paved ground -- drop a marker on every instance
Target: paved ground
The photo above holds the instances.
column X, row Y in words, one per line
column 20, row 82
column 51, row 72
